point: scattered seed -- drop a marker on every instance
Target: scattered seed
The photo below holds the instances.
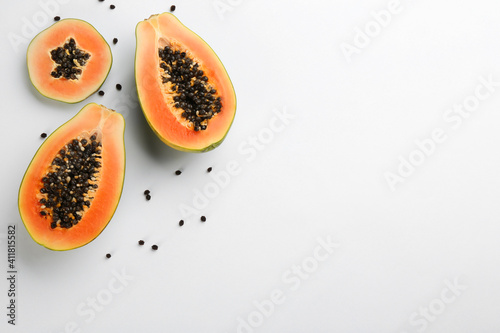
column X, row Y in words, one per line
column 115, row 40
column 209, row 169
column 43, row 135
column 108, row 255
column 101, row 93
column 101, row 0
column 112, row 6
column 178, row 172
column 118, row 86
column 148, row 197
column 181, row 223
column 154, row 247
column 147, row 192
column 172, row 8
column 57, row 18
column 141, row 242
column 203, row 219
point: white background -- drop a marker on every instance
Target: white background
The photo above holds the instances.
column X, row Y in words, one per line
column 322, row 176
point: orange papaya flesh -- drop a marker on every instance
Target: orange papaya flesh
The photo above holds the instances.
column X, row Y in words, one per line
column 68, row 61
column 184, row 90
column 73, row 184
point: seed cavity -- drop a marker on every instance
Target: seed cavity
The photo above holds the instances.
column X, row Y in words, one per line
column 192, row 93
column 69, row 60
column 68, row 188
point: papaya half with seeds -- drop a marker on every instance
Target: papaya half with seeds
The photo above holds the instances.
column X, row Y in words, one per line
column 73, row 184
column 184, row 90
column 68, row 61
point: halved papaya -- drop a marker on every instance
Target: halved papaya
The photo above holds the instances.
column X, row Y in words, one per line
column 184, row 90
column 73, row 185
column 68, row 61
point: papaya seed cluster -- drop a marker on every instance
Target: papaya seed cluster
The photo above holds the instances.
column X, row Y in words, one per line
column 189, row 84
column 71, row 182
column 69, row 58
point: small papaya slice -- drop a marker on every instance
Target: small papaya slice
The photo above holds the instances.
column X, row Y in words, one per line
column 74, row 182
column 184, row 90
column 68, row 61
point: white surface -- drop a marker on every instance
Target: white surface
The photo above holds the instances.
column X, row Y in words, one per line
column 321, row 176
